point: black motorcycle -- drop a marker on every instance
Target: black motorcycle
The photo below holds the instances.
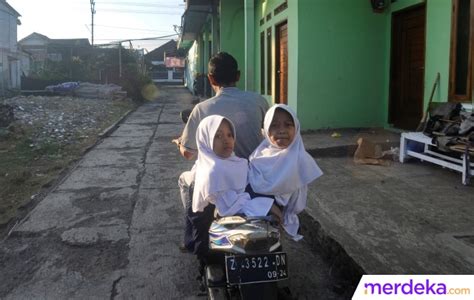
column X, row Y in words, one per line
column 253, row 262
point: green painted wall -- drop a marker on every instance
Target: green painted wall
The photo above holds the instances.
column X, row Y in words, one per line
column 232, row 33
column 438, row 41
column 341, row 64
column 339, row 55
column 402, row 4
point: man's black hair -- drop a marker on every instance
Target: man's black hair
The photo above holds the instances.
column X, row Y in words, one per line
column 223, row 67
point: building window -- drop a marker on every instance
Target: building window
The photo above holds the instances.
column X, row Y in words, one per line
column 269, row 16
column 269, row 61
column 281, row 8
column 460, row 83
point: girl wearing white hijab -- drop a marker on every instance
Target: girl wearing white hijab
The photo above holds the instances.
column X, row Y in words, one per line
column 221, row 177
column 280, row 166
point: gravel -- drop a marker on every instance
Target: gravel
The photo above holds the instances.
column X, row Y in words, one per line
column 60, row 119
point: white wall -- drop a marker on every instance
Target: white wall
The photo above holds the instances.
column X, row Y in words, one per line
column 25, row 67
column 9, row 65
column 4, row 31
column 8, row 28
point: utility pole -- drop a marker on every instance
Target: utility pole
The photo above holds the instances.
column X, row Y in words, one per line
column 120, row 59
column 1, row 74
column 92, row 14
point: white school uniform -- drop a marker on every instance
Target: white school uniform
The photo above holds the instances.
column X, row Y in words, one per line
column 283, row 173
column 222, row 181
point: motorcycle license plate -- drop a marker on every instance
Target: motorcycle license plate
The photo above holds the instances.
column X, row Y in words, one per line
column 243, row 269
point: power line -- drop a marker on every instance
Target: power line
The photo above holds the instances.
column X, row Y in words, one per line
column 164, row 37
column 130, row 28
column 143, row 12
column 154, row 26
column 179, row 6
column 153, row 38
column 137, row 39
column 151, row 2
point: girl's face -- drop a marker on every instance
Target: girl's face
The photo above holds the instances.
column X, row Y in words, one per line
column 282, row 129
column 223, row 144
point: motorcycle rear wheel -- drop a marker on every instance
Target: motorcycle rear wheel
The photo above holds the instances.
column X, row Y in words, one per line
column 215, row 291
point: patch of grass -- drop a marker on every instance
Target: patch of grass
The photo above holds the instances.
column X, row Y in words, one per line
column 4, row 133
column 48, row 149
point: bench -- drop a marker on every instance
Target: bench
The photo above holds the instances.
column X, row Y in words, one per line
column 461, row 164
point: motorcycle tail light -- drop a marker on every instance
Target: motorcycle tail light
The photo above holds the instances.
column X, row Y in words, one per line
column 274, row 235
column 238, row 240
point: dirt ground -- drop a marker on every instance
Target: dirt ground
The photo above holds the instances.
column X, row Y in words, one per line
column 49, row 133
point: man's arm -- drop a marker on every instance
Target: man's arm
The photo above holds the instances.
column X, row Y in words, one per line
column 186, row 143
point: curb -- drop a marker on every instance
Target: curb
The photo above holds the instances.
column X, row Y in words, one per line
column 9, row 227
column 321, row 241
column 107, row 131
column 344, row 150
column 342, row 264
column 114, row 126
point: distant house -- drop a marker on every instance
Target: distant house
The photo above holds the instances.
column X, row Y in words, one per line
column 60, row 49
column 35, row 44
column 9, row 53
column 43, row 49
column 166, row 63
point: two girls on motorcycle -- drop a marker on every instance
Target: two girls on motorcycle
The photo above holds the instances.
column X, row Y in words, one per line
column 274, row 180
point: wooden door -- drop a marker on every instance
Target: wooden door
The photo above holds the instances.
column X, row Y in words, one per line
column 281, row 63
column 407, row 68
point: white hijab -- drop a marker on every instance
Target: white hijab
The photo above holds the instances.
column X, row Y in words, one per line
column 222, row 181
column 284, row 173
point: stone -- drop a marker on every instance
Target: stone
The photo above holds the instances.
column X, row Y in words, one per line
column 80, row 237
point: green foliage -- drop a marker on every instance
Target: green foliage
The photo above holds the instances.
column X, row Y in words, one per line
column 99, row 66
column 133, row 82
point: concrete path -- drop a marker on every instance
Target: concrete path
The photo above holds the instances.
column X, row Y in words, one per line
column 112, row 227
column 412, row 218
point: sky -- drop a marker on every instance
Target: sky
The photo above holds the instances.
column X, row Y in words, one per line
column 114, row 20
